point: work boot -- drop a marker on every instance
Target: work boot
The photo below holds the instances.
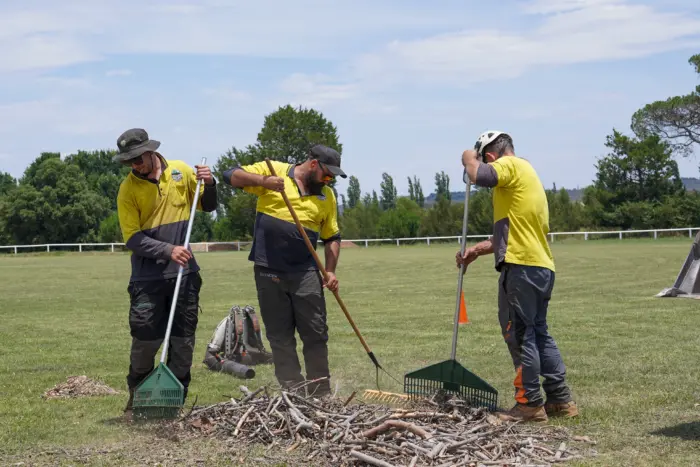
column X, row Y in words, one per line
column 319, row 389
column 524, row 413
column 129, row 409
column 566, row 410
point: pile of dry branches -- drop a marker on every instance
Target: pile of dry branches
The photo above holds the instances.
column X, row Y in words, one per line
column 79, row 386
column 445, row 434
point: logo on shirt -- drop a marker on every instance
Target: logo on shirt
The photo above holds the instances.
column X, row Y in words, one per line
column 177, row 175
column 321, row 197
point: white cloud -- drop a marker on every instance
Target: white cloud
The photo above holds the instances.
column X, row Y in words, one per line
column 559, row 6
column 316, row 90
column 40, row 34
column 573, row 31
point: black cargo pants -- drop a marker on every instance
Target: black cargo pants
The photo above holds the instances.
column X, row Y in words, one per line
column 523, row 299
column 148, row 320
column 292, row 302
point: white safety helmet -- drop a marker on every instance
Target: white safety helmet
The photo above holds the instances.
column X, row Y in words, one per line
column 484, row 140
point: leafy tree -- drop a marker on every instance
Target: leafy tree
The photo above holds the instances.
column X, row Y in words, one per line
column 418, row 192
column 202, row 227
column 288, row 133
column 354, row 192
column 442, row 219
column 101, row 173
column 631, row 181
column 415, row 191
column 389, row 192
column 53, row 204
column 31, row 170
column 110, row 231
column 442, row 186
column 480, row 220
column 239, row 222
column 676, row 119
column 638, row 170
column 403, row 221
column 7, row 183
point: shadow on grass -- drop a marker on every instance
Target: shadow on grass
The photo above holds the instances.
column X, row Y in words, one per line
column 687, row 431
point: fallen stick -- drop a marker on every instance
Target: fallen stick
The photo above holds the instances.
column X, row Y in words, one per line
column 240, row 422
column 370, row 460
column 250, row 395
column 389, row 424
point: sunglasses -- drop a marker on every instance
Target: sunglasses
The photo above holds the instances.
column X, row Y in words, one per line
column 327, row 177
column 135, row 161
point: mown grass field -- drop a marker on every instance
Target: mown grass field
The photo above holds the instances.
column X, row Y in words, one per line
column 633, row 360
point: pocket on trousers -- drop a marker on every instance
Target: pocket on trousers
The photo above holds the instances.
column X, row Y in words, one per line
column 187, row 315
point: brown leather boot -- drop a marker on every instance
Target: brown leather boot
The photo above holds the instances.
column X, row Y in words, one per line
column 524, row 413
column 566, row 410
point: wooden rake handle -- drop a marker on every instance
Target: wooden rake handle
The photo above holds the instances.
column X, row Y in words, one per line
column 322, row 269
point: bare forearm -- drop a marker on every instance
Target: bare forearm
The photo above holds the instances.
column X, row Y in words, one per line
column 332, row 252
column 483, row 248
column 239, row 178
column 472, row 168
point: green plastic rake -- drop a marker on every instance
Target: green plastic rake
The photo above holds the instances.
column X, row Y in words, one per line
column 161, row 395
column 449, row 376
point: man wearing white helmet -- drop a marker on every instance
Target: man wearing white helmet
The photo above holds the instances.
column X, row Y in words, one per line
column 525, row 262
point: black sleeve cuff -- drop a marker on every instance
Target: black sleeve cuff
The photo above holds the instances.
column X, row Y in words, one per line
column 334, row 238
column 209, row 198
column 227, row 175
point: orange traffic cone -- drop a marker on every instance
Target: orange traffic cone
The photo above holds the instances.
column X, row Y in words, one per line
column 463, row 318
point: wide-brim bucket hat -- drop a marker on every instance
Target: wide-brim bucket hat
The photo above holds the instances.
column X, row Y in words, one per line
column 132, row 143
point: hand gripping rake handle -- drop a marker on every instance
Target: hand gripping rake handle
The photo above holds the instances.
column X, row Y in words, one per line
column 460, row 276
column 325, row 276
column 180, row 270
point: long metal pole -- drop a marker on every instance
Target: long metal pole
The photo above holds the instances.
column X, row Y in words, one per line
column 193, row 211
column 460, row 276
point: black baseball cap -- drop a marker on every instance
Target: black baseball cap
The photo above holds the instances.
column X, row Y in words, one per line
column 328, row 157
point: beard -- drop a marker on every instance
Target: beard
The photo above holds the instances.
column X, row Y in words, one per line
column 314, row 187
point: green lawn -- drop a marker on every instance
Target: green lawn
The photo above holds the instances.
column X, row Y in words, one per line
column 632, row 359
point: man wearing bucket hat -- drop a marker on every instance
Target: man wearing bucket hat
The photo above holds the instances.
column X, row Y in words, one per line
column 290, row 290
column 526, row 266
column 154, row 203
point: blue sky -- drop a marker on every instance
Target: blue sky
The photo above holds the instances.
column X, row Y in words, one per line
column 410, row 84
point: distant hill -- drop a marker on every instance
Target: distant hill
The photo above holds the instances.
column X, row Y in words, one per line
column 690, row 183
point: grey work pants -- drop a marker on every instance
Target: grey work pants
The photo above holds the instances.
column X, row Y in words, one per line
column 289, row 302
column 523, row 299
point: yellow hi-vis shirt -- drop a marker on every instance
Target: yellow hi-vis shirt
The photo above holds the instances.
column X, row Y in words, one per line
column 153, row 217
column 520, row 213
column 277, row 244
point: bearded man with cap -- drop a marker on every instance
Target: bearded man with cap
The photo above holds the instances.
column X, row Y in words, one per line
column 154, row 204
column 289, row 286
column 526, row 264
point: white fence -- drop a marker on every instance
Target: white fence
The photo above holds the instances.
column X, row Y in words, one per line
column 238, row 245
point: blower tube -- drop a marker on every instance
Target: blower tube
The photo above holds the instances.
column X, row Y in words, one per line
column 230, row 367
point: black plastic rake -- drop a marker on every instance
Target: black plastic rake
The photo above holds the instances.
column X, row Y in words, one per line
column 449, row 376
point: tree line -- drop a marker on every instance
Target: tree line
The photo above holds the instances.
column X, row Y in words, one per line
column 637, row 186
